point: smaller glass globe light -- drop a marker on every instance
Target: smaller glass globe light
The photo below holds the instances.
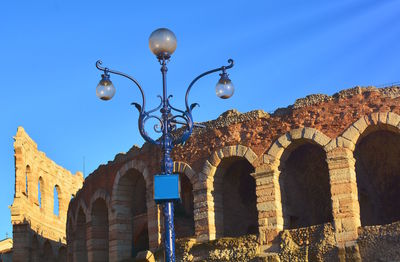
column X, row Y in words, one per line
column 162, row 43
column 224, row 88
column 105, row 90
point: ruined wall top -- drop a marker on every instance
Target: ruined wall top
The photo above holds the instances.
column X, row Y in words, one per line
column 331, row 115
column 233, row 116
column 37, row 178
column 315, row 99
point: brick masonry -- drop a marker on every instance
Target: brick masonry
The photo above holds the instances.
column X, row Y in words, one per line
column 334, row 124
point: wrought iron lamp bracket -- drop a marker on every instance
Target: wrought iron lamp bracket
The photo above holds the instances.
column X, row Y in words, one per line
column 173, row 119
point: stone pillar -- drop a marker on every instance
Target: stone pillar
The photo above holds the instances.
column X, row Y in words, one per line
column 153, row 224
column 90, row 242
column 63, row 202
column 154, row 217
column 97, row 247
column 120, row 245
column 114, row 232
column 203, row 209
column 269, row 205
column 80, row 252
column 345, row 206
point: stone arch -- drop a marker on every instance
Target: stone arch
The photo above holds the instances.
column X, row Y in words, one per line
column 98, row 227
column 129, row 202
column 210, row 187
column 226, row 152
column 140, row 166
column 343, row 166
column 277, row 149
column 184, row 210
column 376, row 141
column 99, row 194
column 153, row 212
column 271, row 217
column 367, row 124
column 81, row 205
column 184, row 168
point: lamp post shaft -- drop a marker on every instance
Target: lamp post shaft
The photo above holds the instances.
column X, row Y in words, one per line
column 170, row 116
column 167, row 169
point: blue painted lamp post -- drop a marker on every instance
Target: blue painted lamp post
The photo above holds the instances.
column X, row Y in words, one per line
column 163, row 43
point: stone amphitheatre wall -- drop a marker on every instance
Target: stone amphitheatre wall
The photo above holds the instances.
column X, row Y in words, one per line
column 323, row 169
column 39, row 233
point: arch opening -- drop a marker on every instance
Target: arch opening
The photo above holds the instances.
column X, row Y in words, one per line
column 377, row 157
column 27, row 177
column 183, row 210
column 40, row 192
column 235, row 200
column 56, row 200
column 304, row 185
column 130, row 202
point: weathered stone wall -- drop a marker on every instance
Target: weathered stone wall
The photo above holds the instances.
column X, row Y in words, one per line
column 323, row 135
column 379, row 243
column 315, row 243
column 244, row 248
column 36, row 226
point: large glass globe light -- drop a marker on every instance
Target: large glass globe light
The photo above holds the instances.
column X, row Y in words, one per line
column 224, row 88
column 105, row 90
column 162, row 42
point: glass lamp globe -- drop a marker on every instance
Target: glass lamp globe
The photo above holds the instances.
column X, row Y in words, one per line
column 224, row 88
column 162, row 42
column 105, row 90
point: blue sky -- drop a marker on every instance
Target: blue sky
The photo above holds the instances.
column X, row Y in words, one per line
column 283, row 50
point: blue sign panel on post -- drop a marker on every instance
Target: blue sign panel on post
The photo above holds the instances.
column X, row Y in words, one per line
column 166, row 188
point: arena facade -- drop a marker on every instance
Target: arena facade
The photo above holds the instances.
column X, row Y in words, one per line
column 316, row 181
column 39, row 223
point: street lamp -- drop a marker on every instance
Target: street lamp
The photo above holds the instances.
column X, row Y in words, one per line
column 162, row 43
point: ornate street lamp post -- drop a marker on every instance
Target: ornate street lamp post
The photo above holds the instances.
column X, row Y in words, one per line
column 162, row 43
